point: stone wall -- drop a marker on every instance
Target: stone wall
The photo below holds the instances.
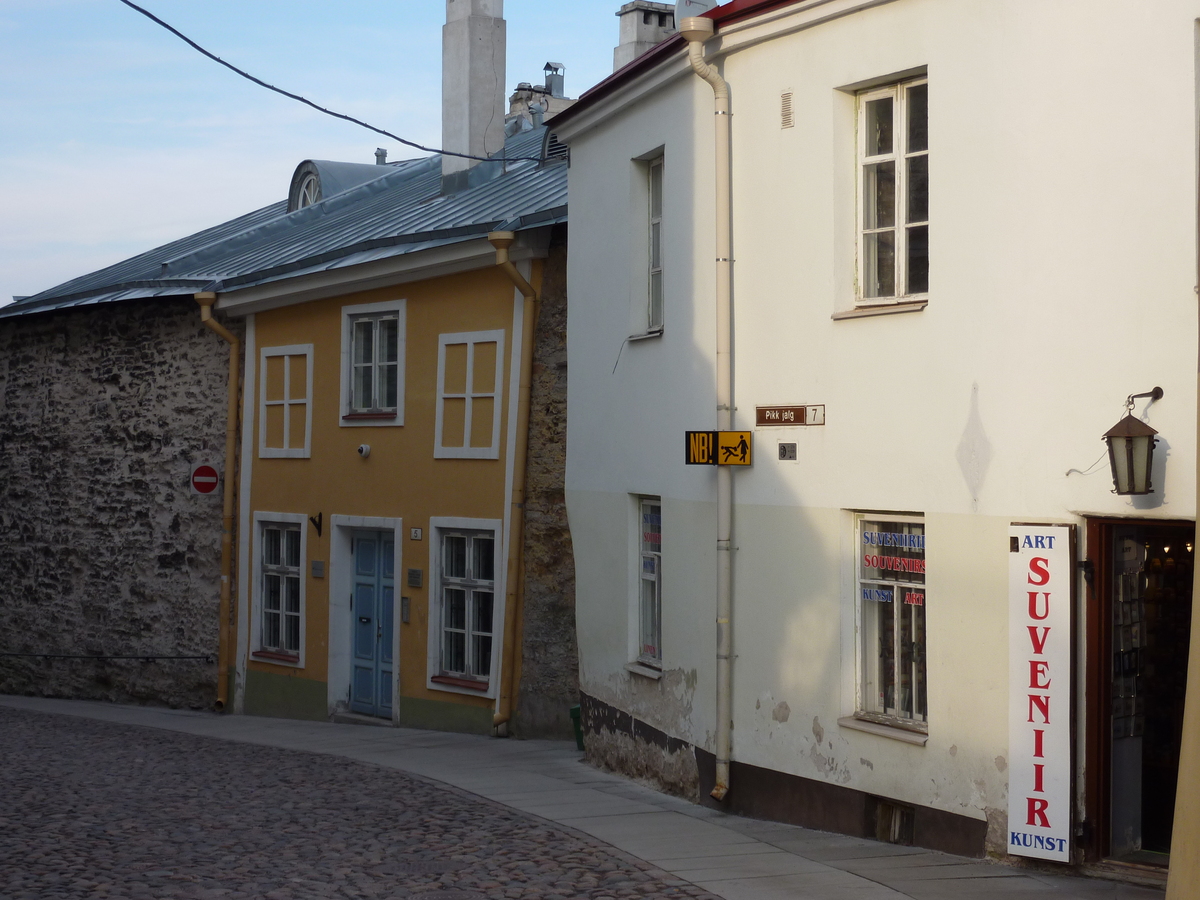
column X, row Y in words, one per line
column 104, row 550
column 550, row 658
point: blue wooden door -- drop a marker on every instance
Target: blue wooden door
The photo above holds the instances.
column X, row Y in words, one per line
column 372, row 605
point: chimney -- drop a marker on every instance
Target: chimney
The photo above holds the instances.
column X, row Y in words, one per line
column 473, row 48
column 555, row 79
column 643, row 24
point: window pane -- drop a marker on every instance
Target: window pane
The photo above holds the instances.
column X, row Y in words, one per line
column 878, row 139
column 650, row 618
column 918, row 118
column 656, row 245
column 879, row 195
column 454, row 652
column 656, row 300
column 272, row 544
column 455, row 615
column 389, row 340
column 483, row 563
column 363, row 394
column 271, row 592
column 921, row 702
column 904, row 671
column 292, row 547
column 887, row 656
column 292, row 594
column 388, row 376
column 651, row 527
column 879, row 264
column 918, row 259
column 656, row 191
column 918, row 189
column 483, row 612
column 292, row 641
column 271, row 629
column 454, row 556
column 364, row 343
column 481, row 655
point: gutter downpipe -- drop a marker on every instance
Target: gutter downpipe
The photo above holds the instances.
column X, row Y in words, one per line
column 515, row 591
column 696, row 31
column 206, row 299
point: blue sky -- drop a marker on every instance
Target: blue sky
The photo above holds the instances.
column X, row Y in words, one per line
column 116, row 136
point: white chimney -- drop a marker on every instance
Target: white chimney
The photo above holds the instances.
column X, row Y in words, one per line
column 643, row 24
column 473, row 79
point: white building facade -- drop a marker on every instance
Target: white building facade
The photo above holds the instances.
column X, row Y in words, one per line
column 963, row 233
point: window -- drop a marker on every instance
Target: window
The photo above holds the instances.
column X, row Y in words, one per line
column 285, row 418
column 470, row 377
column 650, row 581
column 279, row 583
column 654, row 318
column 891, row 599
column 893, row 178
column 467, row 587
column 372, row 389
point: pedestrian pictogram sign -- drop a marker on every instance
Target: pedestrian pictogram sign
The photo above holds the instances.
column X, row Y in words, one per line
column 718, row 448
column 204, row 479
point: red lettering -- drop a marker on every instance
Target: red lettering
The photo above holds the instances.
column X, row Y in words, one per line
column 1039, row 646
column 1039, row 748
column 1038, row 566
column 1039, row 772
column 1039, row 675
column 1033, row 610
column 1037, row 810
column 1042, row 704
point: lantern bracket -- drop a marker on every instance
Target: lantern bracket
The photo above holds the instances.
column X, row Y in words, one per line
column 1155, row 394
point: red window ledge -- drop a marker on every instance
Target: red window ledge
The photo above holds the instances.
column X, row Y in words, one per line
column 356, row 416
column 276, row 656
column 460, row 682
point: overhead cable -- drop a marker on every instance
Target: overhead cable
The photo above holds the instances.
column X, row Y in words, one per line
column 329, row 112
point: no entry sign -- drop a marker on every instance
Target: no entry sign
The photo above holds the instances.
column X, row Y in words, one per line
column 204, row 479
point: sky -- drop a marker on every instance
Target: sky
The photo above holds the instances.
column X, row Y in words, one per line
column 116, row 137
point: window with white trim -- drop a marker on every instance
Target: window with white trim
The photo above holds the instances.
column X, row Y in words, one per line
column 654, row 312
column 893, row 189
column 650, row 581
column 470, row 378
column 285, row 401
column 467, row 594
column 280, row 597
column 890, row 590
column 373, row 339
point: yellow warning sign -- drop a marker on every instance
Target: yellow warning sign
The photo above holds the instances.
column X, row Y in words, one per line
column 718, row 448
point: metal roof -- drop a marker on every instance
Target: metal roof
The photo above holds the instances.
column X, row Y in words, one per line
column 402, row 211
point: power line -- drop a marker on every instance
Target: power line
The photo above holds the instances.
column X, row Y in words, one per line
column 329, row 112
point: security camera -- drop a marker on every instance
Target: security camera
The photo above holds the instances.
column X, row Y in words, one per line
column 364, row 450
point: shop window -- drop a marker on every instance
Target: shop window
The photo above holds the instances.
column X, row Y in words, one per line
column 891, row 597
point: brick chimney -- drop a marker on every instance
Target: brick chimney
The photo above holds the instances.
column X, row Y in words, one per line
column 473, row 57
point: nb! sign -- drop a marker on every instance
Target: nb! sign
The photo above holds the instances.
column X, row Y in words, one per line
column 719, row 448
column 204, row 479
column 1039, row 672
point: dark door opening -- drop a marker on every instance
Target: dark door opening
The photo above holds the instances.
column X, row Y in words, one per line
column 1139, row 621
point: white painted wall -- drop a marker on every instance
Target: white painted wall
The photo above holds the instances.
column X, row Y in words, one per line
column 1063, row 210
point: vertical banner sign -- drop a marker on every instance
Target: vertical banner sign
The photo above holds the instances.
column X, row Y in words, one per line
column 1039, row 684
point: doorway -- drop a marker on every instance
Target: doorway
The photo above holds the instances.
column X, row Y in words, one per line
column 372, row 608
column 1139, row 617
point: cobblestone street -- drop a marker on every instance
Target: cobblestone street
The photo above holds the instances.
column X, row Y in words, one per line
column 103, row 810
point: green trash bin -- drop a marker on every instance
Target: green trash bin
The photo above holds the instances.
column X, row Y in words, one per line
column 578, row 726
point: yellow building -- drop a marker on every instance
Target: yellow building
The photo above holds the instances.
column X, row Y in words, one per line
column 388, row 351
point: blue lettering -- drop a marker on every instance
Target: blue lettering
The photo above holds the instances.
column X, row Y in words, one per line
column 1039, row 542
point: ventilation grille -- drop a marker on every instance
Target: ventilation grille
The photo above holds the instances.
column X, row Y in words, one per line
column 554, row 148
column 787, row 120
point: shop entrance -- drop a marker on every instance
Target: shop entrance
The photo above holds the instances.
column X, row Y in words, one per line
column 1138, row 622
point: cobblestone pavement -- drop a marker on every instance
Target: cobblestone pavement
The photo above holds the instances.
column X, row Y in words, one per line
column 100, row 810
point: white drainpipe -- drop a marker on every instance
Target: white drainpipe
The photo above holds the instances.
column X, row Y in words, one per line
column 696, row 31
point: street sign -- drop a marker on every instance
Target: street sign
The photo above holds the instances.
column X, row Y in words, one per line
column 718, row 448
column 813, row 414
column 204, row 479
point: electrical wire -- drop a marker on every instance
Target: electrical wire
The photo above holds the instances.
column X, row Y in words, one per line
column 337, row 115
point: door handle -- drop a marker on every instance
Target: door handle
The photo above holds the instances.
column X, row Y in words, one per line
column 366, row 620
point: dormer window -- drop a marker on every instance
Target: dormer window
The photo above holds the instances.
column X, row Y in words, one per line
column 310, row 191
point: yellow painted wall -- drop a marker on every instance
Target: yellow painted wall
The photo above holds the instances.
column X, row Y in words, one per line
column 401, row 478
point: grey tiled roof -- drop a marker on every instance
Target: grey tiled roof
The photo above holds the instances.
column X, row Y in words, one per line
column 401, row 212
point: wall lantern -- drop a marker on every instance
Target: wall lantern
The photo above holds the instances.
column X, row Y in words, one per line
column 1131, row 449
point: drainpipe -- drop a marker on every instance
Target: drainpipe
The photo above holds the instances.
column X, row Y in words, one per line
column 696, row 31
column 515, row 597
column 206, row 299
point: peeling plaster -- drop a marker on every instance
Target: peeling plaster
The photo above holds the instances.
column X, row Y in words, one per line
column 818, row 731
column 781, row 712
column 954, row 749
column 866, row 762
column 1001, row 764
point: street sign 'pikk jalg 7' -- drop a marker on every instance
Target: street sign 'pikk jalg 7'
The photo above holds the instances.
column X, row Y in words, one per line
column 718, row 448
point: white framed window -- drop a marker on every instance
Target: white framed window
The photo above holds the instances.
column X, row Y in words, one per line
column 649, row 601
column 373, row 343
column 279, row 588
column 465, row 633
column 893, row 192
column 654, row 192
column 470, row 378
column 285, row 401
column 891, row 602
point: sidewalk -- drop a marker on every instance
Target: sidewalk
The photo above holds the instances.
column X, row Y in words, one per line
column 732, row 857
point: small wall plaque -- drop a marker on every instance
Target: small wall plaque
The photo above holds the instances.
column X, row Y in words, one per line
column 415, row 577
column 318, row 568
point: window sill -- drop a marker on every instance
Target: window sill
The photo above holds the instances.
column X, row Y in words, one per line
column 887, row 731
column 369, row 416
column 466, row 683
column 646, row 335
column 276, row 656
column 644, row 670
column 860, row 312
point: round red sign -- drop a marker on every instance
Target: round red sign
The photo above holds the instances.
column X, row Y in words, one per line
column 205, row 479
